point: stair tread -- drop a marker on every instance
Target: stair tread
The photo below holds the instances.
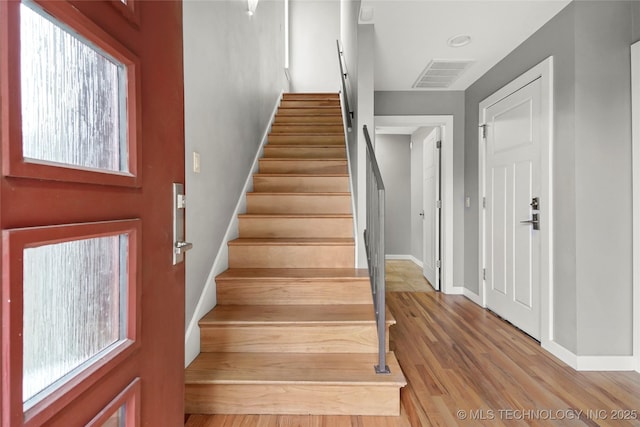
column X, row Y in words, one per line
column 312, row 94
column 304, row 125
column 302, row 134
column 301, row 175
column 281, row 145
column 297, row 159
column 297, row 241
column 330, row 111
column 289, row 314
column 301, row 193
column 293, row 314
column 333, row 107
column 284, row 215
column 294, row 273
column 292, row 368
column 302, row 110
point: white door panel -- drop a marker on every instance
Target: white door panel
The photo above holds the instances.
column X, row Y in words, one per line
column 431, row 193
column 512, row 180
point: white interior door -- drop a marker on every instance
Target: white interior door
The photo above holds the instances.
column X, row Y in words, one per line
column 512, row 181
column 431, row 197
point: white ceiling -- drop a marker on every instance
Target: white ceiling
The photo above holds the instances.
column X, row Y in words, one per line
column 411, row 33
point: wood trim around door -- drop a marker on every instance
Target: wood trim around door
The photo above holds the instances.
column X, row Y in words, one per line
column 544, row 72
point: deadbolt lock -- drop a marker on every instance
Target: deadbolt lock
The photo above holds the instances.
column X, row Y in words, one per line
column 535, row 204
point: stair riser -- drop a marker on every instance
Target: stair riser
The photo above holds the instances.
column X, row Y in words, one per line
column 285, row 103
column 298, row 204
column 307, row 119
column 302, row 152
column 306, row 139
column 325, row 111
column 303, row 166
column 307, row 184
column 301, row 399
column 248, row 292
column 296, row 227
column 281, row 256
column 290, row 338
column 276, row 128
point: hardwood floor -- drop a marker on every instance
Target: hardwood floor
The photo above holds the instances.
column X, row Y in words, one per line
column 466, row 366
column 405, row 276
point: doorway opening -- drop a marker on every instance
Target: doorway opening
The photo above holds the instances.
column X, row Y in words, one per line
column 444, row 123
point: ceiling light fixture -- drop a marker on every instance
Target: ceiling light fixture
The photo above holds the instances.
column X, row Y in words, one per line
column 459, row 40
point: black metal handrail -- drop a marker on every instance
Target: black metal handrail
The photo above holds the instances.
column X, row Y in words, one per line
column 374, row 242
column 343, row 79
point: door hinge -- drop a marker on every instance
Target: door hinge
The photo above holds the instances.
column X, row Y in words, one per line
column 484, row 131
column 438, row 264
column 438, row 204
column 439, row 144
column 484, row 202
column 484, row 274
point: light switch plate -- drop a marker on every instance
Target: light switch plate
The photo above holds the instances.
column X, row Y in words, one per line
column 196, row 162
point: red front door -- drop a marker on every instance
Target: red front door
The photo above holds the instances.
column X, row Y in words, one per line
column 92, row 136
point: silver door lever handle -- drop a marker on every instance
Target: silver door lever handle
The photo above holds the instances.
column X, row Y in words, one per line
column 533, row 221
column 182, row 247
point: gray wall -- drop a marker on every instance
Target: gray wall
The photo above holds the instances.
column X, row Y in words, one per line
column 394, row 159
column 364, row 116
column 555, row 38
column 349, row 10
column 603, row 177
column 349, row 39
column 234, row 73
column 591, row 170
column 315, row 27
column 438, row 103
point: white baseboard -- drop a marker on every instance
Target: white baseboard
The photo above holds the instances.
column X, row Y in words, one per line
column 472, row 296
column 455, row 290
column 416, row 261
column 606, row 363
column 561, row 353
column 405, row 258
column 208, row 298
column 590, row 363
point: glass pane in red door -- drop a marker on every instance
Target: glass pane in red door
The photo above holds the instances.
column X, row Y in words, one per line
column 73, row 97
column 74, row 309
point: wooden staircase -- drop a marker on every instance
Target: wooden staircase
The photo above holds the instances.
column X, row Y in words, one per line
column 294, row 331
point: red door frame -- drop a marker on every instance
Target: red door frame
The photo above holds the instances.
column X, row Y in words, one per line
column 149, row 376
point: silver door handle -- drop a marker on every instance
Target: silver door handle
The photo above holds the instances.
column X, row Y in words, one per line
column 182, row 247
column 533, row 221
column 178, row 208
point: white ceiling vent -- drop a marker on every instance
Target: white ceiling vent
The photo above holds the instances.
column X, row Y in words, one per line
column 441, row 74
